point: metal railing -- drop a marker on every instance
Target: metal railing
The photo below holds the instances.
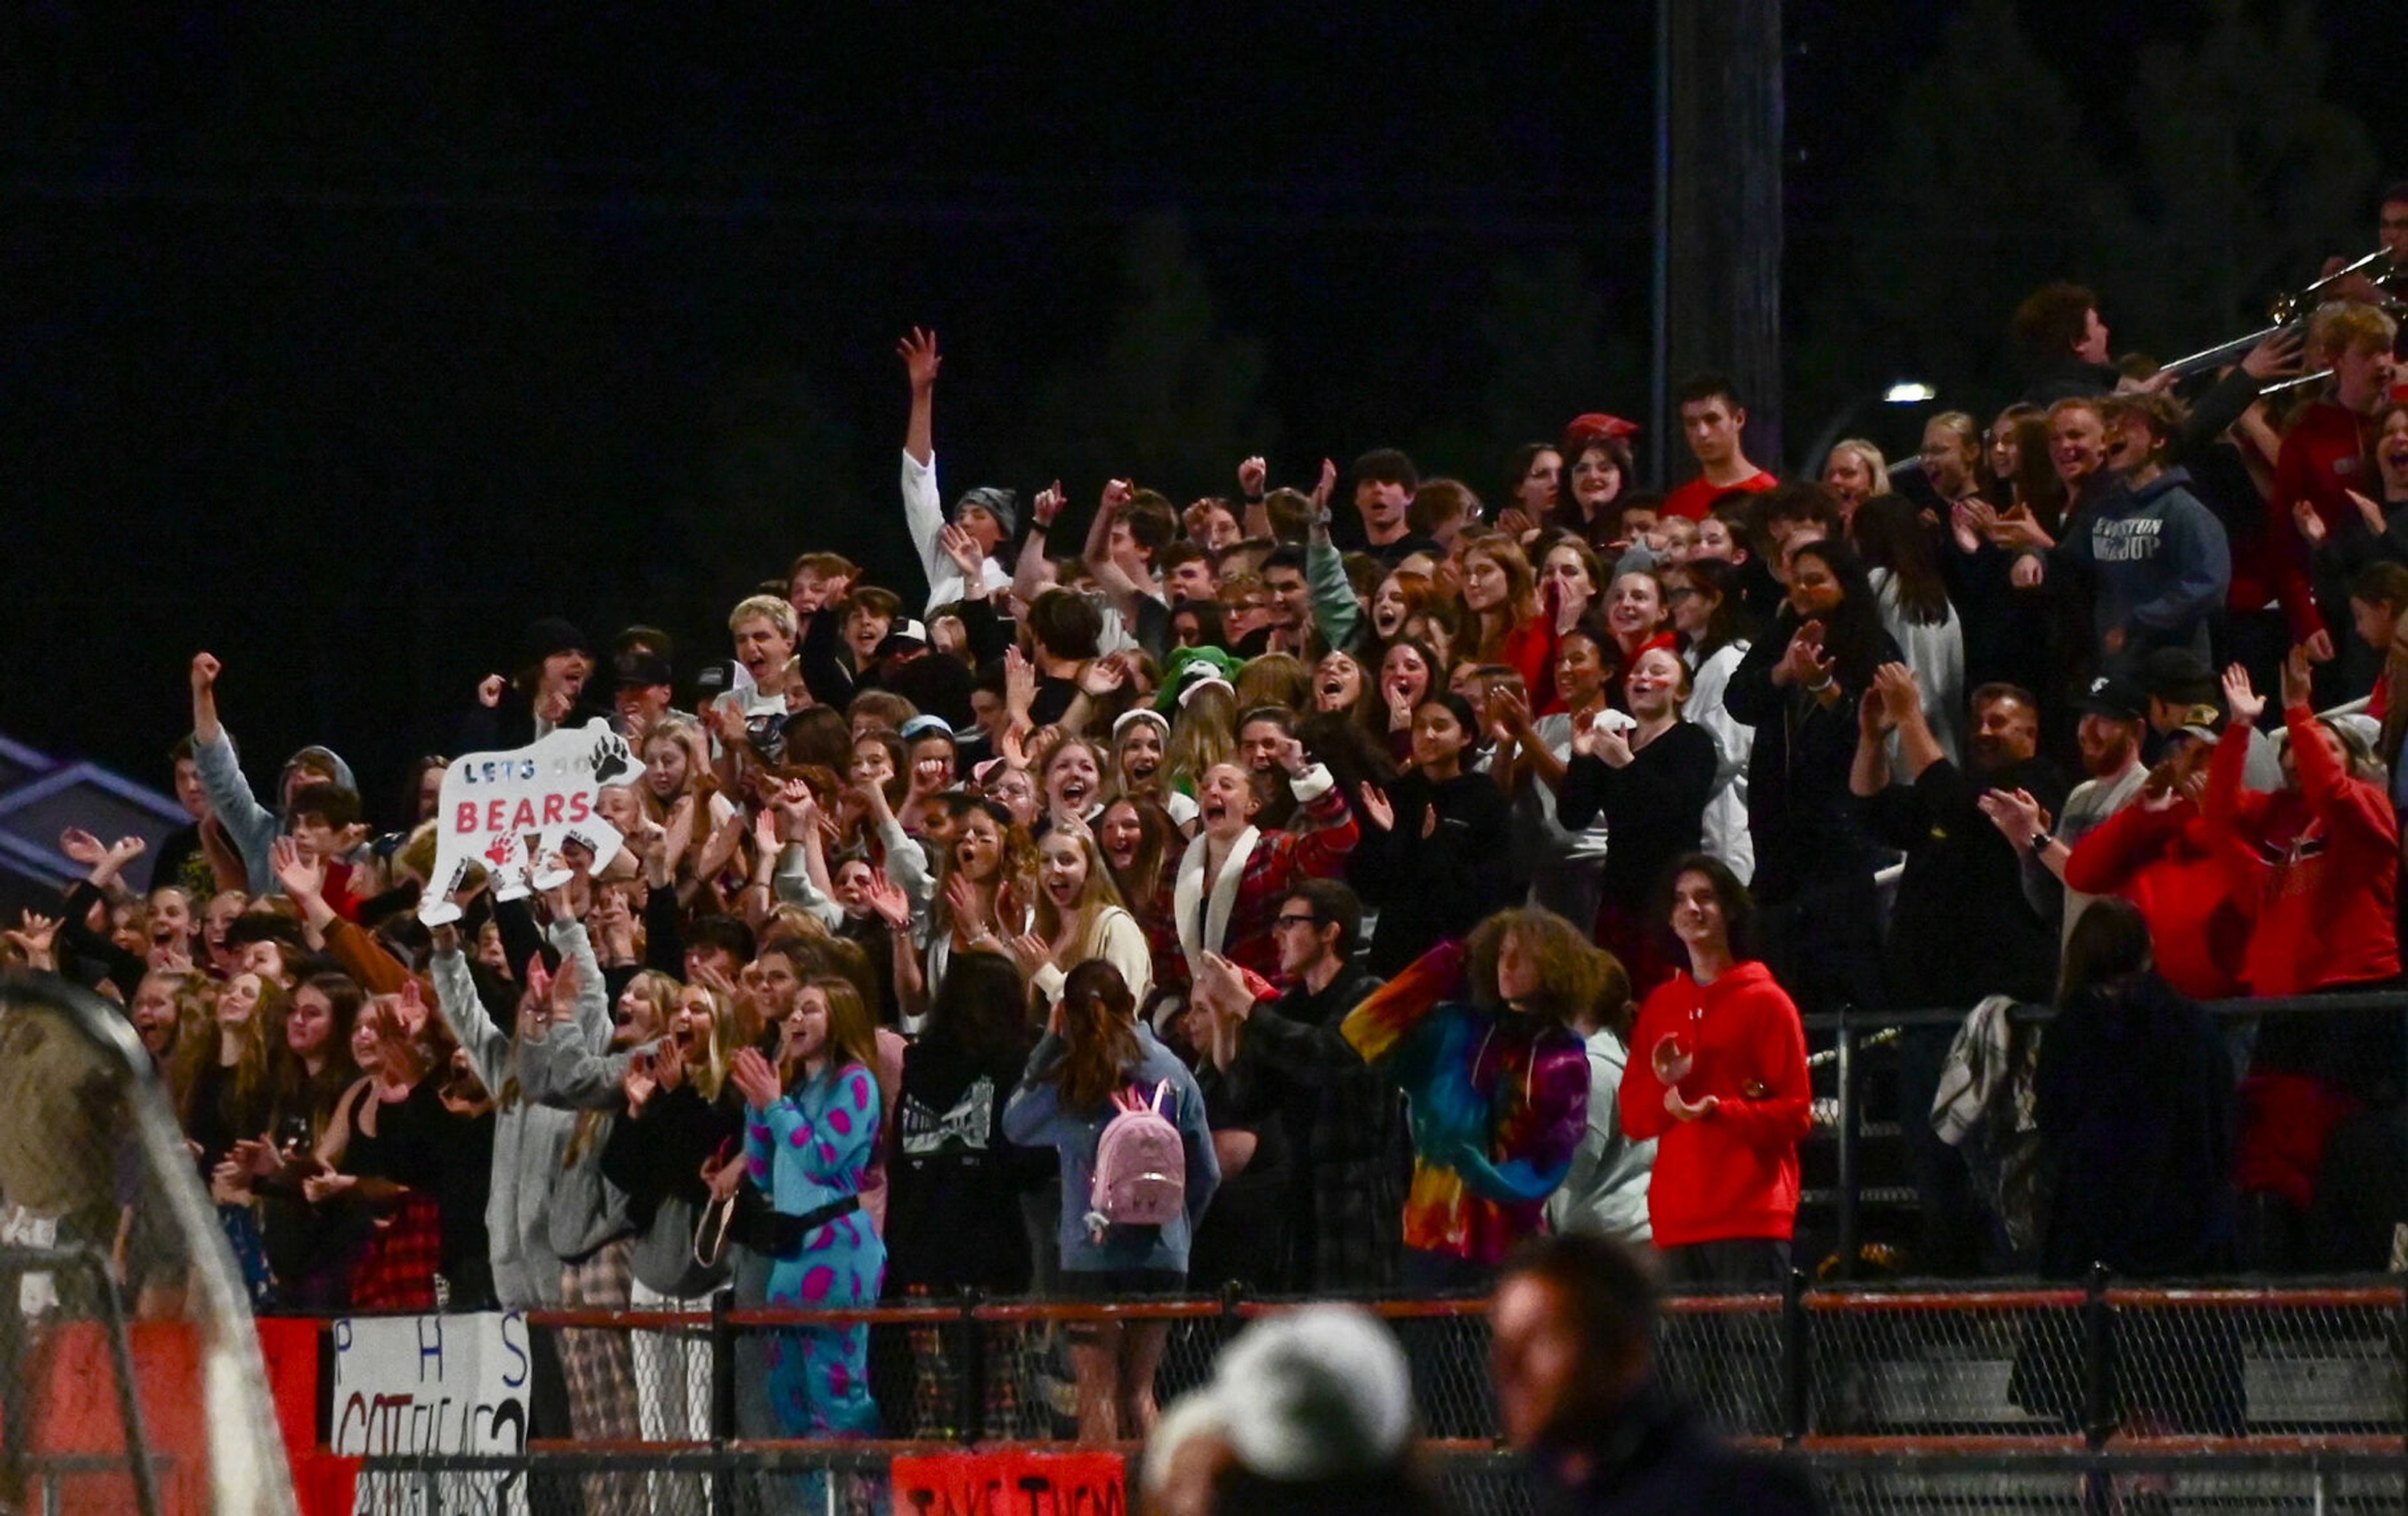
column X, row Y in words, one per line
column 1855, row 1033
column 2033, row 1392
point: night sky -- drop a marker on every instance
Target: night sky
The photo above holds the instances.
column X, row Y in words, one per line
column 343, row 343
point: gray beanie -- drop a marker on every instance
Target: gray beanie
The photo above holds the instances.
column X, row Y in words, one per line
column 1002, row 504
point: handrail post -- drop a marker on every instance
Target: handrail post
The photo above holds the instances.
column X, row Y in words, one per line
column 1796, row 1401
column 723, row 1402
column 1846, row 1178
column 129, row 1394
column 2399, row 1360
column 2097, row 1389
column 970, row 1401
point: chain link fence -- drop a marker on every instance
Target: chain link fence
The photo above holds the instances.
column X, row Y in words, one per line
column 854, row 1482
column 2053, row 1366
column 2046, row 1398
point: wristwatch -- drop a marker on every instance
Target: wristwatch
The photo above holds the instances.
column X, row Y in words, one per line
column 2039, row 841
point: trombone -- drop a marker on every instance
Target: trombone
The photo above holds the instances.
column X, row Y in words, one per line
column 2294, row 307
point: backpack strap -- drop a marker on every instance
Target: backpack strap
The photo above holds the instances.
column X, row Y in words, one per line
column 1161, row 1094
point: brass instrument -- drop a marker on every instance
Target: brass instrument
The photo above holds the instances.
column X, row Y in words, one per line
column 2295, row 306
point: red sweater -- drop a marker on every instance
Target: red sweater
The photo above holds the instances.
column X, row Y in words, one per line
column 1732, row 1173
column 1693, row 498
column 2320, row 863
column 2166, row 863
column 1530, row 650
column 2323, row 458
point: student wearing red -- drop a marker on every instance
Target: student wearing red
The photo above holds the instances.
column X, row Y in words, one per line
column 1719, row 1079
column 2316, row 862
column 2159, row 853
column 2318, row 856
column 1711, row 420
column 2323, row 452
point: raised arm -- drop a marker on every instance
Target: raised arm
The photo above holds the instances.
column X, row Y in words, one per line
column 1097, row 554
column 924, row 513
column 568, row 938
column 1033, row 1117
column 1376, row 1027
column 1033, row 571
column 1335, row 609
column 248, row 824
column 1324, row 830
column 2223, row 805
column 457, row 1002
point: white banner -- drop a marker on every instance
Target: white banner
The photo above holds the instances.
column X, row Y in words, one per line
column 506, row 810
column 416, row 1384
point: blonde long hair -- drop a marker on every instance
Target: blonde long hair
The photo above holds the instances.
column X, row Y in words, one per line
column 1096, row 895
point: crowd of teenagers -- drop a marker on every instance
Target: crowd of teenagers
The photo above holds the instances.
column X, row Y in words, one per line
column 1332, row 888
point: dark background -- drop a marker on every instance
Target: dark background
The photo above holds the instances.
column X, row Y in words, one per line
column 343, row 343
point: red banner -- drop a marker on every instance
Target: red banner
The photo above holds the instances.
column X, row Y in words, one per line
column 1010, row 1483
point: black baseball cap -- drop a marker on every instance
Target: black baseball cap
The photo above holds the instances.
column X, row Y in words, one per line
column 2113, row 697
column 640, row 668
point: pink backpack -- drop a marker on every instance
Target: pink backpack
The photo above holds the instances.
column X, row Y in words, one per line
column 1141, row 1165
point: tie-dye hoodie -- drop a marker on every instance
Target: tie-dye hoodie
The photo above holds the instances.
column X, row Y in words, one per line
column 1499, row 1100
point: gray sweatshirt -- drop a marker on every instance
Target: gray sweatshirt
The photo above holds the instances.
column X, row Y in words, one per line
column 529, row 1139
column 2160, row 564
column 251, row 826
column 1605, row 1191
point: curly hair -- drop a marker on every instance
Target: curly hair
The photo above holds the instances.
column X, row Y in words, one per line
column 1577, row 978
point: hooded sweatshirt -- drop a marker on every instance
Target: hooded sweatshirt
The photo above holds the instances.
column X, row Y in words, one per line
column 250, row 825
column 1733, row 1172
column 530, row 1141
column 2166, row 863
column 2159, row 562
column 2319, row 864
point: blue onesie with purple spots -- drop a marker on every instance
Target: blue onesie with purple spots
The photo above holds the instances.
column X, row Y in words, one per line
column 809, row 1150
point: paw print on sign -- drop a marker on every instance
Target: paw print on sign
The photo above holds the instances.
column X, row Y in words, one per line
column 612, row 757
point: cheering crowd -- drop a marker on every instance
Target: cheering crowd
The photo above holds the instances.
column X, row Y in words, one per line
column 1332, row 888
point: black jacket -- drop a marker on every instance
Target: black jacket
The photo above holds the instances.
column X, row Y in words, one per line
column 1963, row 927
column 1659, row 1459
column 2134, row 1103
column 1348, row 1129
column 954, row 1183
column 1807, row 827
column 1655, row 807
column 1439, row 886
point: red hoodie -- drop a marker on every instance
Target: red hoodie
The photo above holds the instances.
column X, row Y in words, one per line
column 2166, row 863
column 1732, row 1173
column 2319, row 862
column 2323, row 459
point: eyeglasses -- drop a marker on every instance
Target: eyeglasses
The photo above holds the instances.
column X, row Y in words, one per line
column 1296, row 921
column 1679, row 592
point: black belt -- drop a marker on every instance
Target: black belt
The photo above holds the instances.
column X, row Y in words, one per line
column 781, row 1236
